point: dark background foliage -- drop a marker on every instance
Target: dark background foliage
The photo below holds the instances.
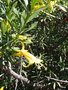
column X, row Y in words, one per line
column 49, row 33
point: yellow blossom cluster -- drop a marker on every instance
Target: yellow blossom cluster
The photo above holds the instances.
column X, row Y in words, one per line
column 50, row 5
column 38, row 6
column 2, row 88
column 29, row 57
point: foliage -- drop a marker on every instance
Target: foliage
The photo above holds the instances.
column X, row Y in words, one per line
column 42, row 25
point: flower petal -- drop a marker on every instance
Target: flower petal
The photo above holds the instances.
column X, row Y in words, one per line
column 17, row 54
column 2, row 88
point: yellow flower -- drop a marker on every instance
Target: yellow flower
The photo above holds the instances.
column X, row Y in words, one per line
column 38, row 6
column 29, row 41
column 40, row 1
column 21, row 37
column 8, row 26
column 51, row 4
column 2, row 88
column 29, row 57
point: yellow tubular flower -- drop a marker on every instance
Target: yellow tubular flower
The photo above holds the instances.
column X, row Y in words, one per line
column 51, row 4
column 40, row 1
column 29, row 57
column 22, row 37
column 8, row 26
column 38, row 6
column 2, row 88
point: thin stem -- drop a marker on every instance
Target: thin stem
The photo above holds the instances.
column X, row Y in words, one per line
column 62, row 81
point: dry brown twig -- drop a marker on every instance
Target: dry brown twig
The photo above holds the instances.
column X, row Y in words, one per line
column 25, row 80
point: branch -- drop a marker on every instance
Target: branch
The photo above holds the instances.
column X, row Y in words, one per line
column 22, row 78
column 62, row 81
column 14, row 74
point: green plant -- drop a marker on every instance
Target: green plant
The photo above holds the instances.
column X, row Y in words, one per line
column 42, row 27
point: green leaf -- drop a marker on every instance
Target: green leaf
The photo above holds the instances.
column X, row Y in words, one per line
column 16, row 11
column 33, row 2
column 32, row 26
column 23, row 6
column 8, row 1
column 59, row 84
column 14, row 5
column 3, row 27
column 26, row 2
column 22, row 21
column 54, row 85
column 34, row 14
column 23, row 15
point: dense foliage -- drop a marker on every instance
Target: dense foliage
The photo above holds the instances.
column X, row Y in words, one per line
column 34, row 33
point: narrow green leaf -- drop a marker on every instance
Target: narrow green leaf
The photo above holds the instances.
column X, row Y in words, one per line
column 14, row 5
column 8, row 2
column 32, row 26
column 16, row 11
column 54, row 85
column 59, row 84
column 26, row 2
column 34, row 14
column 33, row 2
column 3, row 27
column 23, row 14
column 23, row 6
column 22, row 21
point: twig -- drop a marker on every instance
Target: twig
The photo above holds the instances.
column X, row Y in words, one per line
column 22, row 78
column 62, row 81
column 50, row 15
column 14, row 74
column 16, row 84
